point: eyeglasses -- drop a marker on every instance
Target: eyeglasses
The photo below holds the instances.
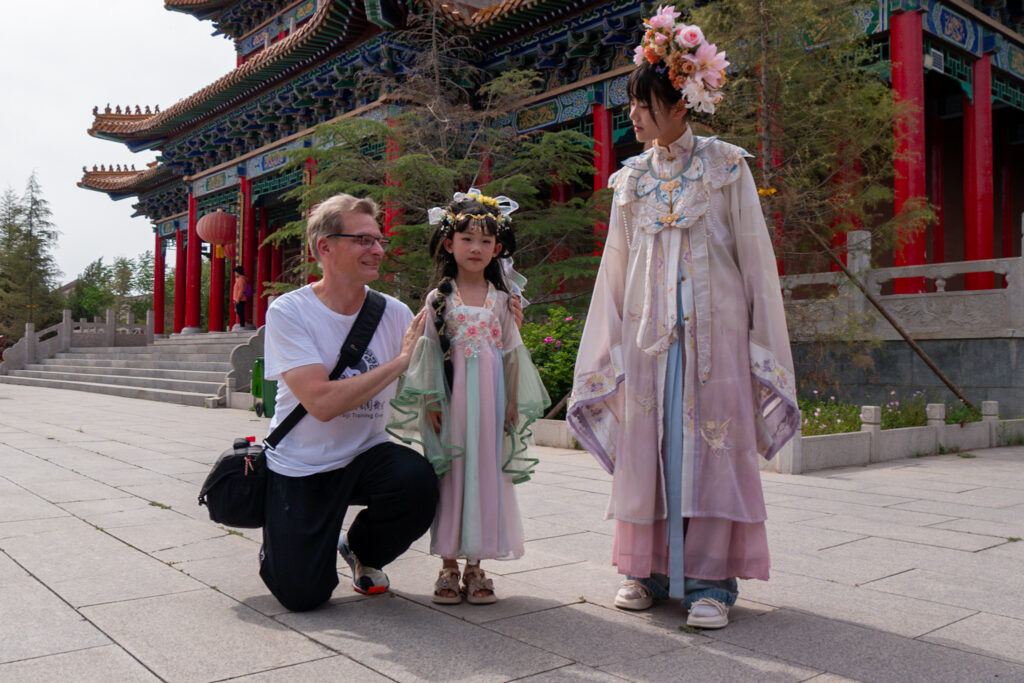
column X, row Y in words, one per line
column 365, row 241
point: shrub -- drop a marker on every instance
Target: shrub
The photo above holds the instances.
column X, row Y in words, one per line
column 908, row 413
column 553, row 342
column 827, row 416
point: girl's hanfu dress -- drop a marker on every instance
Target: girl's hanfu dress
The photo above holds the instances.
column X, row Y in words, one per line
column 685, row 375
column 476, row 459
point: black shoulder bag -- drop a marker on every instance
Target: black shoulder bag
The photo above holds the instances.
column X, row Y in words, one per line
column 235, row 491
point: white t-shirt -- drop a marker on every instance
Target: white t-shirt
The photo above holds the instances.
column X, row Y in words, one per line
column 301, row 330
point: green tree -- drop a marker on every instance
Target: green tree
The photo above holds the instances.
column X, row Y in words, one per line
column 91, row 295
column 28, row 272
column 443, row 134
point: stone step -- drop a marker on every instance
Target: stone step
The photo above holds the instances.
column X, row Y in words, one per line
column 206, row 388
column 141, row 363
column 145, row 371
column 165, row 395
column 149, row 354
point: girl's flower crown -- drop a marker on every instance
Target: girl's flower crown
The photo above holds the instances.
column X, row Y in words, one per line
column 448, row 220
column 695, row 68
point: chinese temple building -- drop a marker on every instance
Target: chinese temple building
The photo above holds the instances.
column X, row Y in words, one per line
column 224, row 147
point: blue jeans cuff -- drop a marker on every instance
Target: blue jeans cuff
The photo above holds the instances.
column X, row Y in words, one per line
column 656, row 583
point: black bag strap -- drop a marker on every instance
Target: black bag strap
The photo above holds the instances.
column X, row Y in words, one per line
column 352, row 349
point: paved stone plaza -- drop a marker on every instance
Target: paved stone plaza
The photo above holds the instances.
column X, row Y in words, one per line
column 109, row 571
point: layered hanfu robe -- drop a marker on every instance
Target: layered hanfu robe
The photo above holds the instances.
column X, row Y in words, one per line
column 687, row 310
column 476, row 459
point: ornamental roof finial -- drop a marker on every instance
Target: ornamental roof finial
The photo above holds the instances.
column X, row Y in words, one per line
column 107, row 110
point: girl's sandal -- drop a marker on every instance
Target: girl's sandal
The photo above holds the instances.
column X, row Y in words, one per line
column 478, row 589
column 446, row 588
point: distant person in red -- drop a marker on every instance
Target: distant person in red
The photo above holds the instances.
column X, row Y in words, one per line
column 240, row 294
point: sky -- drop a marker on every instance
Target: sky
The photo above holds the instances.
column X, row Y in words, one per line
column 58, row 60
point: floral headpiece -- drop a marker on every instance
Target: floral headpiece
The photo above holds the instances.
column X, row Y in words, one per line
column 448, row 220
column 695, row 68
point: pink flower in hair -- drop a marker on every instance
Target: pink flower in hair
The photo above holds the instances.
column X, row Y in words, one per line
column 660, row 38
column 710, row 64
column 689, row 36
column 665, row 18
column 638, row 55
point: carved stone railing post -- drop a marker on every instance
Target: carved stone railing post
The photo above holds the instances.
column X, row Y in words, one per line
column 871, row 421
column 150, row 322
column 30, row 342
column 858, row 260
column 990, row 415
column 110, row 329
column 936, row 414
column 64, row 333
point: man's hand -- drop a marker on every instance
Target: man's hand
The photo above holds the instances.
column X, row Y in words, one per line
column 412, row 335
column 516, row 305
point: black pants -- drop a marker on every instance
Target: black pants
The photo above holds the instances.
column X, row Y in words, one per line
column 304, row 517
column 240, row 312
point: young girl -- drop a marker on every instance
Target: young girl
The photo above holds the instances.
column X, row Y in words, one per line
column 684, row 375
column 474, row 391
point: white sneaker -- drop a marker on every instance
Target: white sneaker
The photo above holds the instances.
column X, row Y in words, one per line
column 633, row 595
column 708, row 613
column 365, row 580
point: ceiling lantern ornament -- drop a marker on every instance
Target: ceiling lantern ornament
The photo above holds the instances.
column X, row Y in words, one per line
column 217, row 227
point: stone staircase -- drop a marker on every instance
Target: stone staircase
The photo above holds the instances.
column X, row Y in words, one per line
column 188, row 369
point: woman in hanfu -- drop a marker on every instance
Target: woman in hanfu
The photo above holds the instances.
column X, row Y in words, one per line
column 684, row 376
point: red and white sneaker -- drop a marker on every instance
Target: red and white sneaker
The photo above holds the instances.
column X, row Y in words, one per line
column 365, row 580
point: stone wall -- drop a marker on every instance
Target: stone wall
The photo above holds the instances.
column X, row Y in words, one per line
column 984, row 369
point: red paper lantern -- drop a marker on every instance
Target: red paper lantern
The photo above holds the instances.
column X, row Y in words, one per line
column 229, row 251
column 217, row 228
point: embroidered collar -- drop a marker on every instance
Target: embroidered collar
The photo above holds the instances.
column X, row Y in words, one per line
column 679, row 149
column 492, row 295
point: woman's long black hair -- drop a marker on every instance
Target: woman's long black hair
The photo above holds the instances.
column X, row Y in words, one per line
column 459, row 217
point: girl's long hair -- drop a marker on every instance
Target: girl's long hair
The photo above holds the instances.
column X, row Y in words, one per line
column 461, row 217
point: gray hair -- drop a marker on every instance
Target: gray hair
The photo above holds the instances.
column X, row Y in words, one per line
column 327, row 217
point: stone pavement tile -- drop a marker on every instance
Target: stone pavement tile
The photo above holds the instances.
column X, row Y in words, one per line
column 963, row 511
column 897, row 614
column 830, row 678
column 969, row 592
column 178, row 495
column 902, row 532
column 913, row 478
column 238, row 577
column 780, row 514
column 127, row 453
column 570, row 674
column 537, row 500
column 584, row 545
column 536, row 529
column 844, row 479
column 166, row 534
column 74, row 490
column 91, row 665
column 601, row 486
column 713, row 661
column 1013, row 527
column 407, row 641
column 201, row 636
column 413, row 578
column 987, row 565
column 227, row 544
column 175, row 466
column 595, row 583
column 36, row 622
column 808, row 490
column 887, row 515
column 129, row 475
column 582, row 518
column 845, row 570
column 1013, row 550
column 984, row 634
column 86, row 566
column 594, row 636
column 984, row 496
column 117, row 512
column 31, row 527
column 22, row 440
column 25, row 470
column 336, row 668
column 19, row 506
column 799, row 538
column 863, row 654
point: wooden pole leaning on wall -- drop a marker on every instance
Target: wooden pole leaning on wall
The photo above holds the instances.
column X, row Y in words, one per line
column 892, row 321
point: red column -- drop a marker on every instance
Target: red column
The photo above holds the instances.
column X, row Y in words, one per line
column 1006, row 205
column 392, row 214
column 604, row 162
column 158, row 285
column 180, row 275
column 845, row 182
column 232, row 318
column 195, row 269
column 906, row 50
column 248, row 256
column 936, row 146
column 979, row 195
column 262, row 271
column 308, row 176
column 486, row 168
column 215, row 320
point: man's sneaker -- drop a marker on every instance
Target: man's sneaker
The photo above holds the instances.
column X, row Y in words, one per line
column 365, row 580
column 708, row 613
